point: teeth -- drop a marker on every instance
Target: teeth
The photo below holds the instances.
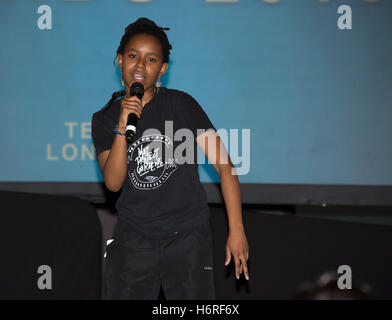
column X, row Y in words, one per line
column 138, row 76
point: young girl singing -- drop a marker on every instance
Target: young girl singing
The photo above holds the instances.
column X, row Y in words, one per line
column 162, row 237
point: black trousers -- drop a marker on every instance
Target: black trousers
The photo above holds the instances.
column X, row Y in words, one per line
column 136, row 267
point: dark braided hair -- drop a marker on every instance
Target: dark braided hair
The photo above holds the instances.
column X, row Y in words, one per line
column 146, row 26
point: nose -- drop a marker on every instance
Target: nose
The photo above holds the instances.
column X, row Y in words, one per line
column 140, row 64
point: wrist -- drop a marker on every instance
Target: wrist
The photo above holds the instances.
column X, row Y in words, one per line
column 236, row 229
column 120, row 128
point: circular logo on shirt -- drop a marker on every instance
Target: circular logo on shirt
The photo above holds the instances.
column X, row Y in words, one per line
column 150, row 161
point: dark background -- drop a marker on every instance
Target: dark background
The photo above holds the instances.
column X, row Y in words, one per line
column 289, row 243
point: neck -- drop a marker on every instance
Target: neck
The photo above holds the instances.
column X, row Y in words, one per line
column 147, row 98
column 148, row 94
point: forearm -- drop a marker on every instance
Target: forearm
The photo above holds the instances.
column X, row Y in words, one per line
column 115, row 169
column 213, row 148
column 232, row 197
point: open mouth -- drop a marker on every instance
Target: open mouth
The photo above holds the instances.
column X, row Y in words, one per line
column 138, row 77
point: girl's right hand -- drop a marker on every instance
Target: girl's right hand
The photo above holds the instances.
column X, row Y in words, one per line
column 129, row 105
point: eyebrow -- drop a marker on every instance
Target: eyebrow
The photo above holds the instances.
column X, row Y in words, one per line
column 149, row 53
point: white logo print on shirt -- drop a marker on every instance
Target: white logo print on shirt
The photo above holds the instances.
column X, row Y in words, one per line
column 147, row 161
column 151, row 161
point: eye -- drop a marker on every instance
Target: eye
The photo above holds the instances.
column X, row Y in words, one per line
column 152, row 59
column 132, row 55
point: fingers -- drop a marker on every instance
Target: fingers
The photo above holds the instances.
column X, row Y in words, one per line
column 228, row 256
column 237, row 267
column 244, row 267
column 132, row 105
column 241, row 266
column 240, row 256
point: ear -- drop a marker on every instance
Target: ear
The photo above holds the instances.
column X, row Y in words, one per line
column 163, row 70
column 119, row 59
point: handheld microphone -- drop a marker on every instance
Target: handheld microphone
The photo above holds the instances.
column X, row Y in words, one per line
column 137, row 89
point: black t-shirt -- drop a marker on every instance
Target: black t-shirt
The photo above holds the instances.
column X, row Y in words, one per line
column 162, row 194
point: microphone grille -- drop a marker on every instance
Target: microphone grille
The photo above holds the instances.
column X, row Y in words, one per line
column 137, row 89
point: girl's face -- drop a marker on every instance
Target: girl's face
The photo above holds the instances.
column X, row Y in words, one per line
column 142, row 62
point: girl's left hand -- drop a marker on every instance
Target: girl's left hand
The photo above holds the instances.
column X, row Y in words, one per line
column 237, row 245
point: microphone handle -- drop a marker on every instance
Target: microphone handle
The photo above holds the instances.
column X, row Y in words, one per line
column 130, row 129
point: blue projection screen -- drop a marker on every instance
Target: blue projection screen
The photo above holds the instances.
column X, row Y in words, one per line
column 317, row 99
